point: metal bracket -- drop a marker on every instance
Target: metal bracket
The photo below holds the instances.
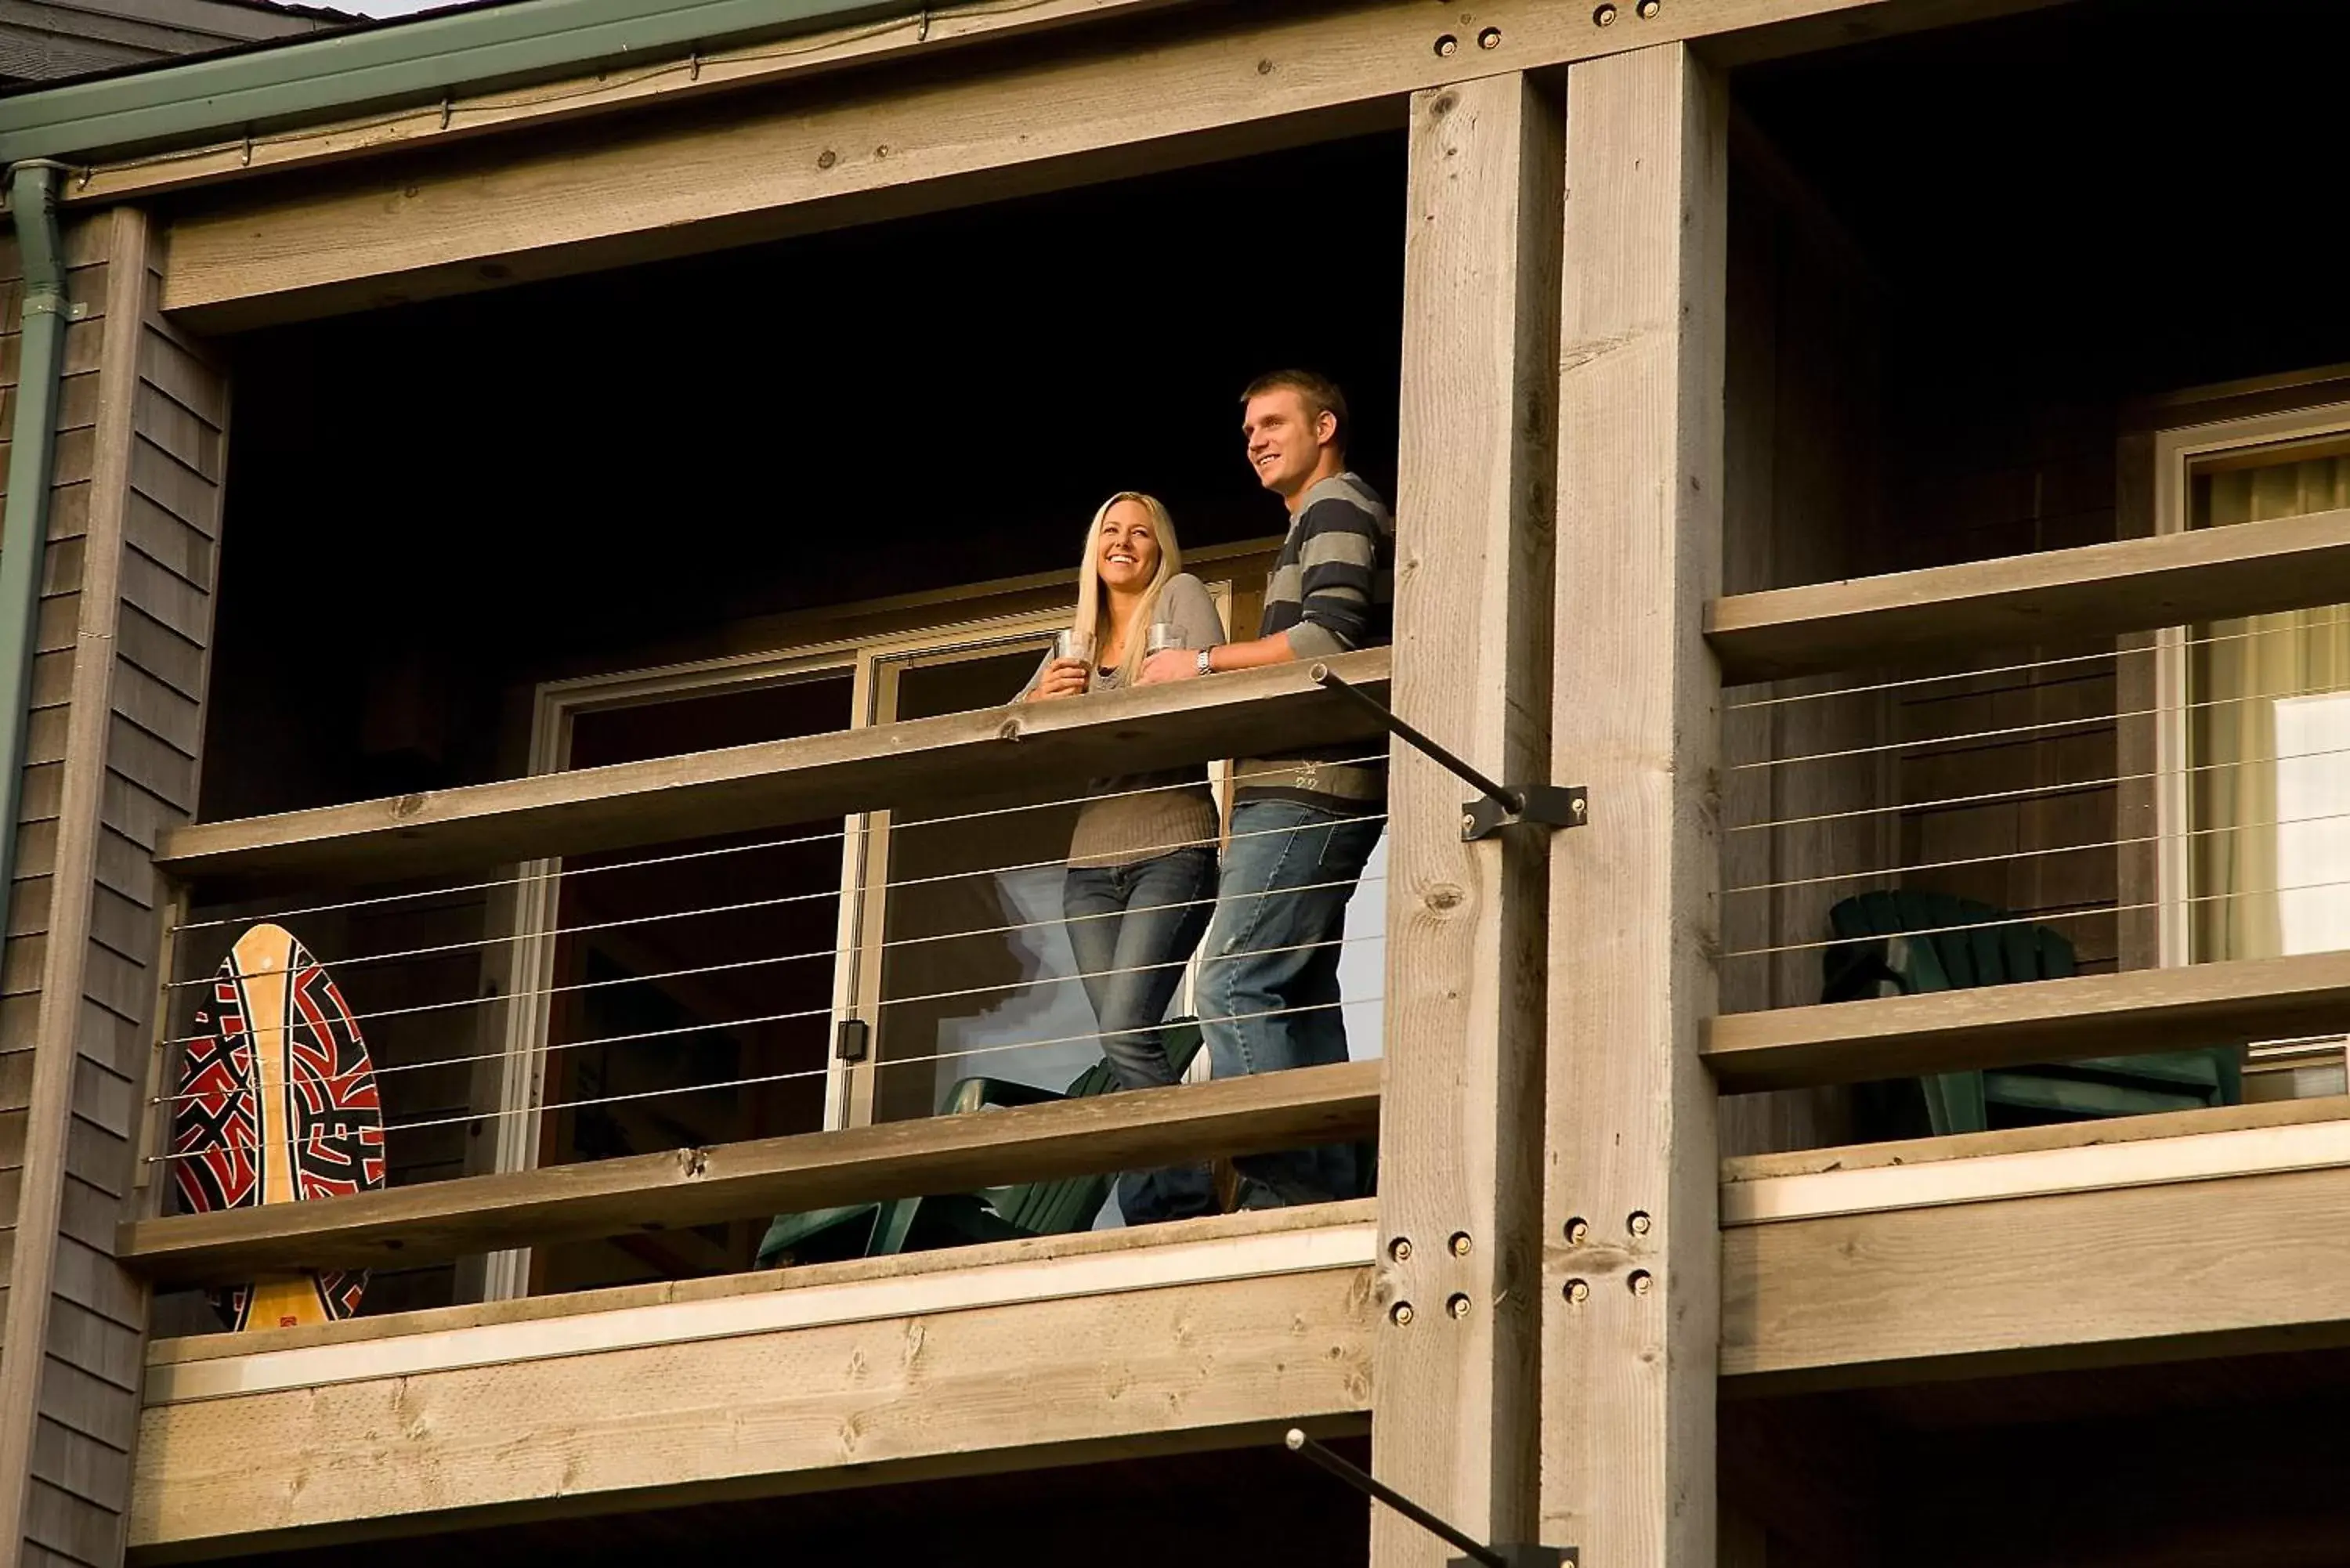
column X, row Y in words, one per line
column 1497, row 805
column 1479, row 1554
column 1544, row 805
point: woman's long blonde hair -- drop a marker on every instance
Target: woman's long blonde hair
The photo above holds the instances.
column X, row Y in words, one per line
column 1091, row 623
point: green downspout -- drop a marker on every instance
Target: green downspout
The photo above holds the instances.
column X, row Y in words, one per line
column 25, row 526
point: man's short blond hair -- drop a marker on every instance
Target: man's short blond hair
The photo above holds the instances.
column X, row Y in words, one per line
column 1320, row 393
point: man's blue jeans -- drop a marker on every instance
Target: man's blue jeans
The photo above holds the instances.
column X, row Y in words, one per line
column 1133, row 928
column 1269, row 970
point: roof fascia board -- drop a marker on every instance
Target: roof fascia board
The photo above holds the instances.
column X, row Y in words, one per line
column 406, row 61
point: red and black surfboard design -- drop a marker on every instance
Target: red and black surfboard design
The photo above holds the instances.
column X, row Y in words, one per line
column 277, row 1104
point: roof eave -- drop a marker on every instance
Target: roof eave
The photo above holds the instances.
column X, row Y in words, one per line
column 412, row 61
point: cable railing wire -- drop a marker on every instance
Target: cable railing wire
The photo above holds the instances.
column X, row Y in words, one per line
column 443, row 950
column 759, row 1080
column 2040, row 917
column 2024, row 791
column 808, row 956
column 2012, row 731
column 2018, row 855
column 2058, row 663
column 826, row 835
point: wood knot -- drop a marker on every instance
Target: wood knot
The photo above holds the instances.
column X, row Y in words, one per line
column 1010, row 730
column 1443, row 896
column 407, row 805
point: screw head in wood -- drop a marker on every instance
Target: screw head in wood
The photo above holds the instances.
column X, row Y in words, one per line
column 1491, row 38
column 1399, row 1250
column 1459, row 1243
column 1446, row 46
column 1577, row 1291
column 1457, row 1305
column 1639, row 1281
column 1400, row 1314
column 1639, row 1223
column 1650, row 9
column 1604, row 17
column 1577, row 1229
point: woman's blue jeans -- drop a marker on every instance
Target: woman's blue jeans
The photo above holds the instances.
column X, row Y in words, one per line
column 1133, row 928
column 1269, row 973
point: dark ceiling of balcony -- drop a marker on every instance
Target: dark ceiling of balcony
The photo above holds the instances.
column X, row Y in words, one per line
column 2137, row 194
column 561, row 477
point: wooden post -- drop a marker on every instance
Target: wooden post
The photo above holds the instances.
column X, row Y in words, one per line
column 1459, row 1209
column 1631, row 1288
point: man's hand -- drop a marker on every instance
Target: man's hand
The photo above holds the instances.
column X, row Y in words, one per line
column 1062, row 677
column 1169, row 664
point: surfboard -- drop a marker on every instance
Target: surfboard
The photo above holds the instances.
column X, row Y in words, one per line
column 276, row 1104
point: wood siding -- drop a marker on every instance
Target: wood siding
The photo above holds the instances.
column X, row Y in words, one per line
column 125, row 620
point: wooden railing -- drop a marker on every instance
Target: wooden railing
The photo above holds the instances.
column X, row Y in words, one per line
column 2058, row 596
column 920, row 761
column 439, row 1221
column 2231, row 1004
column 2094, row 590
column 743, row 788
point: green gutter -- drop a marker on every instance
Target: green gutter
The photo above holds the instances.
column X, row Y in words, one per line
column 417, row 62
column 25, row 524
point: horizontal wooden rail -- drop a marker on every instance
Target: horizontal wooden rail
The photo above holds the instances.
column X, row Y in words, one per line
column 2043, row 1021
column 435, row 1221
column 1055, row 745
column 2096, row 590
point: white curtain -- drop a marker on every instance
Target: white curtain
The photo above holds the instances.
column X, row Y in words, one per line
column 2263, row 883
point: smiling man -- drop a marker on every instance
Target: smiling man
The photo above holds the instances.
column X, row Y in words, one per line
column 1304, row 823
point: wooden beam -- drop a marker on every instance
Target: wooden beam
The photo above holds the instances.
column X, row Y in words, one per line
column 919, row 36
column 1103, row 103
column 621, row 1310
column 2090, row 591
column 2210, row 1266
column 1460, row 1158
column 1629, row 1281
column 2230, row 1004
column 779, row 782
column 691, row 74
column 1058, row 1378
column 439, row 1221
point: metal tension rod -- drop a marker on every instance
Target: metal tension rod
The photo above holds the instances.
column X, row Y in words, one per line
column 1498, row 806
column 1371, row 1487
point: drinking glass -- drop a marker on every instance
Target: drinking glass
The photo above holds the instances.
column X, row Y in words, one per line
column 1070, row 644
column 1162, row 637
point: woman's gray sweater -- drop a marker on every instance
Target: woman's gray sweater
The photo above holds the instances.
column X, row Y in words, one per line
column 1138, row 815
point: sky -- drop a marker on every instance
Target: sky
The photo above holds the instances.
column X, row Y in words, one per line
column 387, row 8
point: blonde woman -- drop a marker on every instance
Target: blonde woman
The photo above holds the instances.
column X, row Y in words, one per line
column 1141, row 881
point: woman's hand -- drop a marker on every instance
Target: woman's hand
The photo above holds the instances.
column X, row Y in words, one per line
column 1062, row 677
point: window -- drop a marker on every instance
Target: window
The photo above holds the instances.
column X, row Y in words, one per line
column 2256, row 747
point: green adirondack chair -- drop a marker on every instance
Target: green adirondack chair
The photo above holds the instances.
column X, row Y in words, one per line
column 956, row 1220
column 1902, row 942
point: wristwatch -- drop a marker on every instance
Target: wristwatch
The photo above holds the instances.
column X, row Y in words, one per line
column 1204, row 666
